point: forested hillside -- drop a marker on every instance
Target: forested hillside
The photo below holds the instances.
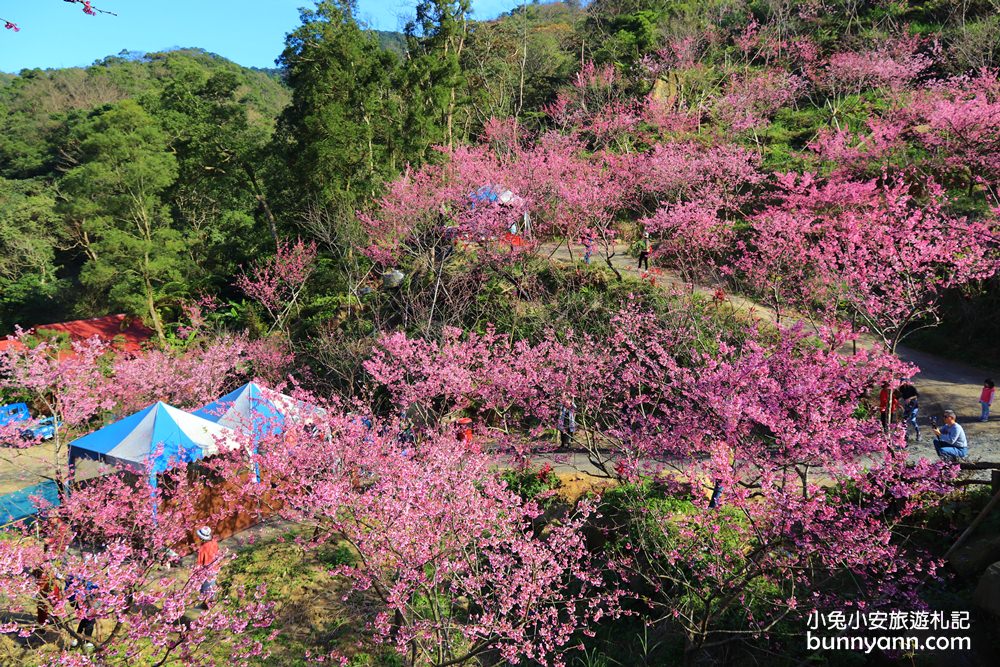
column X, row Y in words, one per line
column 229, row 160
column 590, row 319
column 178, row 130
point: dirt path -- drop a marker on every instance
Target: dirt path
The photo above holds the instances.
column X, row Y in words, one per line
column 942, row 383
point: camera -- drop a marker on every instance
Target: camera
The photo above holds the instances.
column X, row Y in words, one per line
column 934, row 421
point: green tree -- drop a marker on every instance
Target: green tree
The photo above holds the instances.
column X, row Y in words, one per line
column 29, row 237
column 623, row 31
column 220, row 197
column 339, row 136
column 515, row 65
column 434, row 78
column 114, row 198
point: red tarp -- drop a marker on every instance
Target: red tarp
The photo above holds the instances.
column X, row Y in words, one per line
column 124, row 333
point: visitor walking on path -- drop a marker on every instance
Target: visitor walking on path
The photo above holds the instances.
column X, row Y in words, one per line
column 588, row 244
column 208, row 552
column 909, row 395
column 82, row 597
column 950, row 442
column 566, row 424
column 647, row 248
column 986, row 399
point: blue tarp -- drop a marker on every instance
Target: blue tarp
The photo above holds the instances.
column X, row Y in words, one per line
column 18, row 505
column 485, row 194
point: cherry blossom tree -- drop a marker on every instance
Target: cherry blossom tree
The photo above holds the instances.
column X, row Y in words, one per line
column 564, row 188
column 759, row 418
column 452, row 562
column 962, row 125
column 750, row 101
column 767, row 557
column 104, row 554
column 68, row 385
column 632, row 395
column 186, row 379
column 86, row 5
column 277, row 282
column 893, row 66
column 867, row 251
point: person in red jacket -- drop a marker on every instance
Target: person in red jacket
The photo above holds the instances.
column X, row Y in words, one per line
column 884, row 409
column 986, row 399
column 208, row 552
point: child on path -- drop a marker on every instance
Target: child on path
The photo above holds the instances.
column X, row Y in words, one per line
column 986, row 399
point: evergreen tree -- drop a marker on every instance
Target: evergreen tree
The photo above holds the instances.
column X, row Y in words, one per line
column 220, row 195
column 29, row 234
column 339, row 135
column 113, row 197
column 435, row 81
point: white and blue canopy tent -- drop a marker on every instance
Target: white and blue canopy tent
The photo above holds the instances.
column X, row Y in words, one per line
column 257, row 411
column 154, row 440
column 251, row 409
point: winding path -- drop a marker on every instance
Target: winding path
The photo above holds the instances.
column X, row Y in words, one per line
column 943, row 383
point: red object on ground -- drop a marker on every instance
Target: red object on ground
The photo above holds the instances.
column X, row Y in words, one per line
column 514, row 240
column 124, row 333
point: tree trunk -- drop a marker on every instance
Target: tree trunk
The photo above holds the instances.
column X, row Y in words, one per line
column 261, row 197
column 153, row 315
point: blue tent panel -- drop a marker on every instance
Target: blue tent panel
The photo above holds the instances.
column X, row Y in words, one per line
column 161, row 431
column 248, row 409
column 103, row 440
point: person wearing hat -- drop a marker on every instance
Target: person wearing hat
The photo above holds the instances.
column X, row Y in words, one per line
column 208, row 552
column 950, row 443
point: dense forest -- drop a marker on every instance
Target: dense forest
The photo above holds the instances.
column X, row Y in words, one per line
column 680, row 243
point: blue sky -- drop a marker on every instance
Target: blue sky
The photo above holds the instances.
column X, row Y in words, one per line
column 55, row 33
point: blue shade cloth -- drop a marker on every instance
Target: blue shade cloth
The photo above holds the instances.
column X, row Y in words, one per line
column 19, row 505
